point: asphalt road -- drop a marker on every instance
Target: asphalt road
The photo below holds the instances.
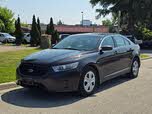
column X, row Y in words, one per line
column 118, row 96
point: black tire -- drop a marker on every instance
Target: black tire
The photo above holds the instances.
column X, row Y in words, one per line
column 24, row 41
column 82, row 89
column 132, row 73
column 5, row 41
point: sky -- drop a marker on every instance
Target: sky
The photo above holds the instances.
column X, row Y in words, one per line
column 68, row 11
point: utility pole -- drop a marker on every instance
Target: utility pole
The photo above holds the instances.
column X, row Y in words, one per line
column 119, row 19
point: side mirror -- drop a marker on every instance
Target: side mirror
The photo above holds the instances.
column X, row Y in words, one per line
column 106, row 48
column 138, row 41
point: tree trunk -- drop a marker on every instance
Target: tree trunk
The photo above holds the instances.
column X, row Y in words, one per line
column 131, row 22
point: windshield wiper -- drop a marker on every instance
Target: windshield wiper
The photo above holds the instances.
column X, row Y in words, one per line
column 70, row 48
column 55, row 48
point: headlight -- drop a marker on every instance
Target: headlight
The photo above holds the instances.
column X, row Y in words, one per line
column 18, row 64
column 65, row 67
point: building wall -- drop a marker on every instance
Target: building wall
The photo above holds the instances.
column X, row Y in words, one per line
column 74, row 29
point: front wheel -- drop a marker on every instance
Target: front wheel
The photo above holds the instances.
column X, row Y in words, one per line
column 134, row 69
column 5, row 41
column 88, row 82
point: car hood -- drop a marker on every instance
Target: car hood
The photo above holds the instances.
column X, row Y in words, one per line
column 53, row 55
column 10, row 37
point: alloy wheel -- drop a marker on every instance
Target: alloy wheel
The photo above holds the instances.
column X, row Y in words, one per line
column 135, row 68
column 89, row 81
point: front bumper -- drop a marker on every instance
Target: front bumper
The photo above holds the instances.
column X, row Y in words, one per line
column 11, row 40
column 56, row 82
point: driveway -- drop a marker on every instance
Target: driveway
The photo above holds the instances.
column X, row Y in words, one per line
column 4, row 48
column 118, row 96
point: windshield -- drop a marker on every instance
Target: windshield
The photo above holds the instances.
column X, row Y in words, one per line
column 79, row 42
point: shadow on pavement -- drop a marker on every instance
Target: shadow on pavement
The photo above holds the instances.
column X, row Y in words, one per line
column 41, row 99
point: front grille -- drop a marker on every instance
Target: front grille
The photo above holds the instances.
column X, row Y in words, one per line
column 30, row 69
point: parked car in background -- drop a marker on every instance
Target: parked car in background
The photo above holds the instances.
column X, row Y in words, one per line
column 134, row 39
column 62, row 36
column 26, row 38
column 80, row 63
column 6, row 38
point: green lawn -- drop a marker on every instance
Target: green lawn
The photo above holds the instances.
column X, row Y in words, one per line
column 144, row 56
column 9, row 61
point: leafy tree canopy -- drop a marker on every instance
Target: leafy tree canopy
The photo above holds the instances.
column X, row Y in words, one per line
column 107, row 22
column 59, row 22
column 6, row 20
column 133, row 12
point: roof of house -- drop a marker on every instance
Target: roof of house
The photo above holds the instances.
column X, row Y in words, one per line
column 81, row 29
column 75, row 29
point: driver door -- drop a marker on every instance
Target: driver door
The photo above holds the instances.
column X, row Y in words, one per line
column 108, row 59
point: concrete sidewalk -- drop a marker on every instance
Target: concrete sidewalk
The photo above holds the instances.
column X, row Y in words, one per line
column 9, row 85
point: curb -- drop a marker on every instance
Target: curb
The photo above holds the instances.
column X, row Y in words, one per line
column 7, row 85
column 10, row 85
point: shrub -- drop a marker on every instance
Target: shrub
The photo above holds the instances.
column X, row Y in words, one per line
column 55, row 37
column 147, row 34
column 45, row 41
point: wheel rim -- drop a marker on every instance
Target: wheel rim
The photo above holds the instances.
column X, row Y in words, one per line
column 89, row 81
column 135, row 68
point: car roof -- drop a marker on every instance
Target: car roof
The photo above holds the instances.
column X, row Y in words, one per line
column 98, row 34
column 3, row 33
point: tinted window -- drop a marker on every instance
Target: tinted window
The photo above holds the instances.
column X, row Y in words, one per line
column 119, row 41
column 79, row 42
column 108, row 42
column 127, row 42
column 1, row 35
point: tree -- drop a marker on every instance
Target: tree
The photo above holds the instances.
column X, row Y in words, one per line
column 38, row 25
column 59, row 22
column 6, row 20
column 51, row 31
column 55, row 37
column 18, row 32
column 107, row 22
column 35, row 34
column 50, row 27
column 133, row 12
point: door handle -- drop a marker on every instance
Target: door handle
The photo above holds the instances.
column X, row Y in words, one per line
column 130, row 50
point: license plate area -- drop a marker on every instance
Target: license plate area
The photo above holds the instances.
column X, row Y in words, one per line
column 28, row 82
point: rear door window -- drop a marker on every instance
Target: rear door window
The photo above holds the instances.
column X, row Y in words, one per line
column 119, row 41
column 127, row 42
column 108, row 42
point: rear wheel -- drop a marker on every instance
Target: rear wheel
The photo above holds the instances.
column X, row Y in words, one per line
column 134, row 69
column 24, row 41
column 88, row 82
